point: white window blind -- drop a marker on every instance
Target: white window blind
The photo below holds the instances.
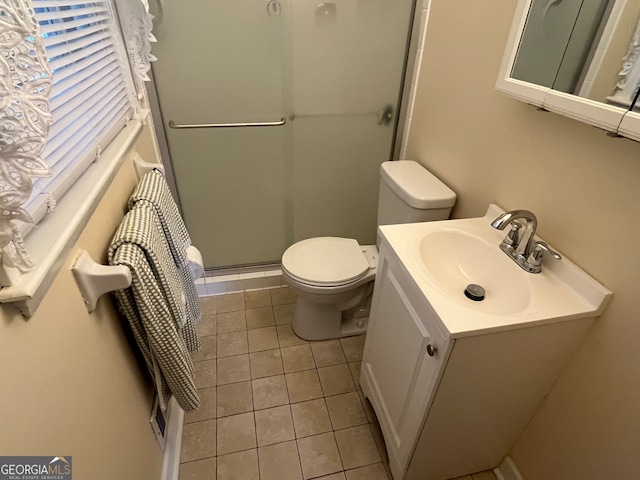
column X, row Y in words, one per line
column 92, row 94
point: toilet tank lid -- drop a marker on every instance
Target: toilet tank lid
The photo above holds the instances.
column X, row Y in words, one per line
column 416, row 185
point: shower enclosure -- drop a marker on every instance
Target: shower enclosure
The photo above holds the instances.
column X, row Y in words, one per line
column 277, row 115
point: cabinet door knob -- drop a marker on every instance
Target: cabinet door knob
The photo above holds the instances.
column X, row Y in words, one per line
column 431, row 350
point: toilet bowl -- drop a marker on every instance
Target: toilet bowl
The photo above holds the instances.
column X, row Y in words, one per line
column 333, row 276
column 333, row 280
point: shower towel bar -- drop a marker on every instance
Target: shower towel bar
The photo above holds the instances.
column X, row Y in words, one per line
column 385, row 116
column 174, row 125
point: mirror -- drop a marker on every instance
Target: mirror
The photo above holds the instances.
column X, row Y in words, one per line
column 580, row 58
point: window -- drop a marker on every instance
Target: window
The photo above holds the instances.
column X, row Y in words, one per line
column 96, row 120
column 92, row 94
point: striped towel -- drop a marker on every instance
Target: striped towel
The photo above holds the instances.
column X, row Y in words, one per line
column 153, row 304
column 153, row 189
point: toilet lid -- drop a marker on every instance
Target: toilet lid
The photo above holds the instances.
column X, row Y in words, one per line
column 325, row 261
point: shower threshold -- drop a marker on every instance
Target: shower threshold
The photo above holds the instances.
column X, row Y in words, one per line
column 219, row 281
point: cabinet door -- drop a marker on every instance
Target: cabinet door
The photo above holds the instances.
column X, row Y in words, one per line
column 398, row 372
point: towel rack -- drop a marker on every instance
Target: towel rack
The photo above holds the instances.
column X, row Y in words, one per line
column 141, row 167
column 177, row 126
column 94, row 280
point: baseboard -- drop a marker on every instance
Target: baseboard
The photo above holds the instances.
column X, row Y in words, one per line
column 239, row 282
column 508, row 470
column 171, row 461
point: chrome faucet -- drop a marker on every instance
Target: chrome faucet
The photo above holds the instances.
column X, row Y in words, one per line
column 519, row 243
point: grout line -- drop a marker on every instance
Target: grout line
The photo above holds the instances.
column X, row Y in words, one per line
column 289, row 403
column 299, row 458
column 333, row 433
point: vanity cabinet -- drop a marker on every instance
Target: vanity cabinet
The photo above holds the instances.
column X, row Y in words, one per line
column 404, row 354
column 452, row 403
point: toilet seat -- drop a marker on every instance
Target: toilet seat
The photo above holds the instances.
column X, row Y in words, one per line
column 325, row 261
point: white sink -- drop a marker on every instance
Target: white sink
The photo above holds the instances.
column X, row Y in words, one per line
column 453, row 259
column 444, row 257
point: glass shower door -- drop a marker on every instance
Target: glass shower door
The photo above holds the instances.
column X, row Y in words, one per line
column 348, row 63
column 220, row 62
column 332, row 70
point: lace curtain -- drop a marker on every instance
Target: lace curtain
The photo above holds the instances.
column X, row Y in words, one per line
column 136, row 22
column 629, row 77
column 25, row 84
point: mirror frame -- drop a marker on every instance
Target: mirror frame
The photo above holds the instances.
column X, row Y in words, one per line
column 614, row 119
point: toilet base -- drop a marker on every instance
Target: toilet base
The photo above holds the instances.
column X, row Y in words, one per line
column 329, row 320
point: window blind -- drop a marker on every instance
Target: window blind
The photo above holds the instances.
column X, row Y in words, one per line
column 92, row 94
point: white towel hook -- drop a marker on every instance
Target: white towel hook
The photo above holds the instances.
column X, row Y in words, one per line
column 94, row 280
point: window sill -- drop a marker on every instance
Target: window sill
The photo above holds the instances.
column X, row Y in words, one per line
column 51, row 241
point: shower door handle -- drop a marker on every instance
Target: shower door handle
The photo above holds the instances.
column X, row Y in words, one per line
column 386, row 115
column 279, row 123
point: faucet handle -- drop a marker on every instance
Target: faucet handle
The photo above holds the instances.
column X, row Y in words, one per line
column 513, row 236
column 535, row 257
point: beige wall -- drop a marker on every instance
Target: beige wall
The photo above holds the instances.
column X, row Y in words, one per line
column 69, row 382
column 585, row 189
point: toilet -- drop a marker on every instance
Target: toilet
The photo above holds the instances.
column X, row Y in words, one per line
column 333, row 276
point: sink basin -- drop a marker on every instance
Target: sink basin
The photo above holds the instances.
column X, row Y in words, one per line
column 442, row 258
column 453, row 259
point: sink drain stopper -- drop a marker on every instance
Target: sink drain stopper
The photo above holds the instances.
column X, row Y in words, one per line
column 474, row 292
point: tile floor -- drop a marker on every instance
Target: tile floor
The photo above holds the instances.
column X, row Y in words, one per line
column 273, row 406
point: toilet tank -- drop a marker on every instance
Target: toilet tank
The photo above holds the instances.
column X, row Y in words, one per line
column 410, row 193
